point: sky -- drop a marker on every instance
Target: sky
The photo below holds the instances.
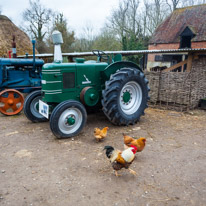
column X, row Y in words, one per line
column 77, row 12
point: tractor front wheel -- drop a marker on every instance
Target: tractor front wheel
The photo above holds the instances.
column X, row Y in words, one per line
column 11, row 102
column 31, row 107
column 125, row 96
column 68, row 119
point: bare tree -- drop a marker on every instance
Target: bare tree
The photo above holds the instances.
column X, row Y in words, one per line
column 88, row 32
column 0, row 10
column 87, row 37
column 86, row 40
column 154, row 14
column 172, row 4
column 37, row 18
column 125, row 21
column 132, row 21
column 118, row 20
column 133, row 17
column 192, row 2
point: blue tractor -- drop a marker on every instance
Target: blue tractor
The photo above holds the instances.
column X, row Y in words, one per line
column 18, row 76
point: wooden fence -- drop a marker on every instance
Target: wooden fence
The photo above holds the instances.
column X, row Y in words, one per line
column 179, row 90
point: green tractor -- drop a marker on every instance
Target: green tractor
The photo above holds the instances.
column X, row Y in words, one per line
column 69, row 89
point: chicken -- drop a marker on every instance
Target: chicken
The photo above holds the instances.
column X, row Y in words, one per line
column 121, row 159
column 139, row 143
column 100, row 134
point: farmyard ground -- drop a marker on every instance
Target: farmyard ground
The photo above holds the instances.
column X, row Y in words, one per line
column 37, row 169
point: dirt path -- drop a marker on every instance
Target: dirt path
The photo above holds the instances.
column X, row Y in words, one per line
column 38, row 170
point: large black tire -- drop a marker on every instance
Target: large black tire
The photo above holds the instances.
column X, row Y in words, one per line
column 31, row 107
column 68, row 119
column 125, row 96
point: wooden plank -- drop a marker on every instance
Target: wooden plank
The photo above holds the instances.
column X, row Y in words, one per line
column 175, row 66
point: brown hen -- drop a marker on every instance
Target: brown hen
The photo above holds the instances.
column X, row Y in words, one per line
column 139, row 143
column 100, row 134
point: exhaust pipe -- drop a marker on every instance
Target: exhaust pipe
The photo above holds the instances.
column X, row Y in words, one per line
column 57, row 41
column 34, row 63
column 14, row 47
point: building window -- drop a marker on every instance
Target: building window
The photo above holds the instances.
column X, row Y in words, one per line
column 186, row 37
column 185, row 42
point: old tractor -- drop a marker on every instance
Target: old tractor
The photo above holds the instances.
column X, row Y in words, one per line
column 18, row 76
column 69, row 89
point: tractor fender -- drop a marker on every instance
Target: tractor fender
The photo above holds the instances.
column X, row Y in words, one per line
column 112, row 68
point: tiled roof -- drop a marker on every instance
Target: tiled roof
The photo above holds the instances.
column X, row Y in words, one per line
column 193, row 17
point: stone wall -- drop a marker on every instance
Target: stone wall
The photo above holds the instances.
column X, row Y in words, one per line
column 179, row 90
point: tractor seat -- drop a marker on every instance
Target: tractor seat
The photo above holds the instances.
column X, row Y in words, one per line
column 117, row 57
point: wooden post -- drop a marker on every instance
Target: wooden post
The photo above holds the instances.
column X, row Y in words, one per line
column 189, row 62
column 143, row 63
column 183, row 59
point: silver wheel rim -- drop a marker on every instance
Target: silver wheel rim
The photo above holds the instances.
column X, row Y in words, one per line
column 33, row 107
column 135, row 92
column 63, row 120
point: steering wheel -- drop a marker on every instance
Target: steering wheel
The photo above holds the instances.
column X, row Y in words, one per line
column 100, row 54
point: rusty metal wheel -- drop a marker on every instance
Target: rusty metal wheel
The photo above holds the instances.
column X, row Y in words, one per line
column 11, row 102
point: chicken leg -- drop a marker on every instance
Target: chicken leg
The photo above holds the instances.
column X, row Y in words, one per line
column 117, row 175
column 132, row 172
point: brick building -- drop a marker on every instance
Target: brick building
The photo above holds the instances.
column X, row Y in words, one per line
column 184, row 28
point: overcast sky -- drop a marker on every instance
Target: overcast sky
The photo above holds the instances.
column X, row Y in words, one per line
column 77, row 12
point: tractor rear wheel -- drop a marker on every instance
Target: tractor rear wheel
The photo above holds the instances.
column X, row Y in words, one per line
column 125, row 96
column 31, row 107
column 68, row 119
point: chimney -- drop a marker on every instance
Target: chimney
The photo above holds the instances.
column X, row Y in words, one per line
column 57, row 41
